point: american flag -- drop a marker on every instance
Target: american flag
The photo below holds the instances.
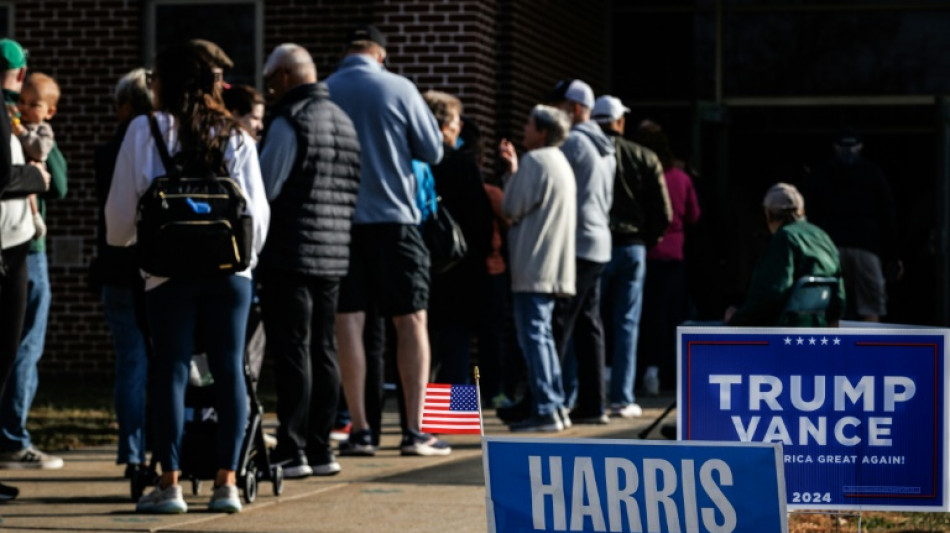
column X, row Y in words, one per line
column 451, row 409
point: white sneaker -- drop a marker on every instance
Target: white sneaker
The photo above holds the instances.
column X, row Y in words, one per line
column 225, row 500
column 651, row 381
column 162, row 501
column 631, row 410
column 30, row 458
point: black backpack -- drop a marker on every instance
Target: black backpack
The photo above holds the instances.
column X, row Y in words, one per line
column 192, row 226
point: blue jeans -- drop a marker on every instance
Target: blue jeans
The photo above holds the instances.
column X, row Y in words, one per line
column 622, row 288
column 533, row 313
column 24, row 378
column 131, row 371
column 173, row 310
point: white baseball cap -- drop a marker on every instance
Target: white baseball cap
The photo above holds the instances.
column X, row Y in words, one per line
column 573, row 90
column 608, row 109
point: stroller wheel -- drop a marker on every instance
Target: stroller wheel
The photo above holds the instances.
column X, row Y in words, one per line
column 250, row 485
column 195, row 486
column 277, row 478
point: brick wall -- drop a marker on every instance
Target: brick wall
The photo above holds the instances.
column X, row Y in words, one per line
column 498, row 56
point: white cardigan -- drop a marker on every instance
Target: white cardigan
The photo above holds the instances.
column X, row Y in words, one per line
column 138, row 163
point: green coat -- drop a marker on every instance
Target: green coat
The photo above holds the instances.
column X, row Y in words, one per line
column 56, row 165
column 795, row 250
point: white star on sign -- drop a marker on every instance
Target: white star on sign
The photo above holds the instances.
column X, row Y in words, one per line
column 811, row 341
column 800, row 341
column 837, row 341
column 824, row 341
column 788, row 340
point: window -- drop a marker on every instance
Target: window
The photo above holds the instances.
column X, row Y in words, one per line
column 236, row 26
column 6, row 19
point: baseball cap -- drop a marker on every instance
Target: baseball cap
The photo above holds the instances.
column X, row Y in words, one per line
column 783, row 197
column 366, row 33
column 573, row 90
column 847, row 137
column 608, row 109
column 13, row 54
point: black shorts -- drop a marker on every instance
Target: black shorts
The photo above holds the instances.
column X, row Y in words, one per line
column 389, row 266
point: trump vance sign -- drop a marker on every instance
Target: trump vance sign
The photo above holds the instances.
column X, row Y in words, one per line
column 860, row 414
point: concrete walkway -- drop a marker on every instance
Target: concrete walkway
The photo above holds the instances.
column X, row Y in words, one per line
column 385, row 493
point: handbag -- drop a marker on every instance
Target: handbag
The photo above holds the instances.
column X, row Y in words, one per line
column 443, row 237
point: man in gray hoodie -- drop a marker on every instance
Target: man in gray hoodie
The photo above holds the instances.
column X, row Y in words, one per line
column 591, row 155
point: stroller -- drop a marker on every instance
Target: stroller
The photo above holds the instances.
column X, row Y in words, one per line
column 198, row 458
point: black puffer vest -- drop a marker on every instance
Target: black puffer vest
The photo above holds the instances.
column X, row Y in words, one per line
column 311, row 217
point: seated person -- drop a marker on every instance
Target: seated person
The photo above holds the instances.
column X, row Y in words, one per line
column 797, row 248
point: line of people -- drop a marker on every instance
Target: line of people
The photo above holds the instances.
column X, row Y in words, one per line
column 341, row 267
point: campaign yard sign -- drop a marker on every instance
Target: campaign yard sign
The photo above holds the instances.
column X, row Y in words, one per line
column 552, row 485
column 861, row 414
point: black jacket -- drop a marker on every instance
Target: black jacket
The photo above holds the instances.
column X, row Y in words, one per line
column 641, row 209
column 853, row 203
column 455, row 293
column 311, row 217
column 113, row 265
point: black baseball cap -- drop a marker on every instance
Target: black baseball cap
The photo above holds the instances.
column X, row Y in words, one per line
column 366, row 33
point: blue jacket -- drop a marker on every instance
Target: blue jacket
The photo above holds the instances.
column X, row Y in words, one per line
column 394, row 126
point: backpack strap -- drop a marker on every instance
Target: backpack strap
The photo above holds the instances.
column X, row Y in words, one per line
column 170, row 168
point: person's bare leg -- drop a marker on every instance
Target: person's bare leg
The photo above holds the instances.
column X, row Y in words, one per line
column 225, row 477
column 412, row 357
column 352, row 358
column 169, row 478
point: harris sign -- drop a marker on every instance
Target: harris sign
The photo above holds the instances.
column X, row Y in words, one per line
column 860, row 414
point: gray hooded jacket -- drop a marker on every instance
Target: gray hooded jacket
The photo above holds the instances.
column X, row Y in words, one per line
column 591, row 155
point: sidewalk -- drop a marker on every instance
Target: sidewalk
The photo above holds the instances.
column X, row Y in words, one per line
column 385, row 493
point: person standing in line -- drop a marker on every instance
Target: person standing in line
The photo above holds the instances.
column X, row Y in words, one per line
column 115, row 273
column 541, row 202
column 389, row 263
column 310, row 162
column 593, row 159
column 638, row 216
column 198, row 130
column 456, row 294
column 849, row 197
column 247, row 105
column 16, row 223
column 37, row 104
column 664, row 291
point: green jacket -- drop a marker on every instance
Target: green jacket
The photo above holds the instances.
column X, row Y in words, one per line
column 797, row 249
column 56, row 165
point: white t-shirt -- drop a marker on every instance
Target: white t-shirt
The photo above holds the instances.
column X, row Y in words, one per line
column 16, row 220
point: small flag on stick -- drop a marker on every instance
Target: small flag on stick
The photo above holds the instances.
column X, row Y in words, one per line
column 451, row 409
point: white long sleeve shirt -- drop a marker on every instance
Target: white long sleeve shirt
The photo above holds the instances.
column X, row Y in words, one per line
column 138, row 163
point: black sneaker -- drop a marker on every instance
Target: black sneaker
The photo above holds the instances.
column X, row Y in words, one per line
column 324, row 463
column 360, row 443
column 515, row 412
column 295, row 467
column 423, row 444
column 8, row 493
column 589, row 419
column 548, row 423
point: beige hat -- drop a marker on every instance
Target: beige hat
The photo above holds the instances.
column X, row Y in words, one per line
column 783, row 197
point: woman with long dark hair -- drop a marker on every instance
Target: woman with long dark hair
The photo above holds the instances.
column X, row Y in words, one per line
column 197, row 129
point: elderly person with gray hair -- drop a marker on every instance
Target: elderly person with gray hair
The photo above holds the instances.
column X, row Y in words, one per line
column 115, row 274
column 310, row 163
column 541, row 201
column 797, row 248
